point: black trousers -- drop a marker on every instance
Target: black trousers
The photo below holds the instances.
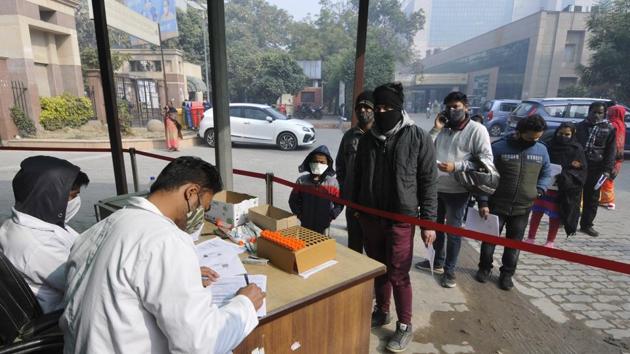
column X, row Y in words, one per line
column 515, row 230
column 590, row 199
column 355, row 233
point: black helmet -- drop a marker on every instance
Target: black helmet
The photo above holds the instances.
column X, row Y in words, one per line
column 482, row 181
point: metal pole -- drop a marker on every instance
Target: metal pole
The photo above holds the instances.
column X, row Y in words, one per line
column 205, row 57
column 163, row 67
column 109, row 95
column 269, row 187
column 134, row 169
column 359, row 61
column 220, row 93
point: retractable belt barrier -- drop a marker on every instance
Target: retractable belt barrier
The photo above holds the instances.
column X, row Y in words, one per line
column 573, row 257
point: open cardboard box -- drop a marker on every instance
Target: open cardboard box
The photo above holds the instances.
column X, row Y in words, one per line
column 319, row 249
column 268, row 217
column 231, row 207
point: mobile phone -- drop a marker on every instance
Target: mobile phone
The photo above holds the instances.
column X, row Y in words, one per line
column 443, row 117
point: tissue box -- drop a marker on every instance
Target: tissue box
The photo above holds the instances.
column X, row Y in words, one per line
column 231, row 208
column 268, row 217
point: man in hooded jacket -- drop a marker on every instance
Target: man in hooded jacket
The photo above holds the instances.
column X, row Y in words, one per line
column 395, row 171
column 364, row 109
column 36, row 239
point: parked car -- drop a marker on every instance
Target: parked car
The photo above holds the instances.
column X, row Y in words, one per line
column 260, row 124
column 496, row 113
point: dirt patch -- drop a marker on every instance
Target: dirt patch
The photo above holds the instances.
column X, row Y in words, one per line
column 95, row 132
column 505, row 322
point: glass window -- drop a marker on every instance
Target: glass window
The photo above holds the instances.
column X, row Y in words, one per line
column 308, row 97
column 569, row 53
column 507, row 107
column 236, row 112
column 275, row 114
column 523, row 109
column 556, row 110
column 254, row 113
column 578, row 111
column 487, row 106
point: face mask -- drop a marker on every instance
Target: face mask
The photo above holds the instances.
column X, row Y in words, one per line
column 456, row 116
column 386, row 121
column 194, row 218
column 526, row 143
column 366, row 117
column 73, row 208
column 563, row 139
column 318, row 168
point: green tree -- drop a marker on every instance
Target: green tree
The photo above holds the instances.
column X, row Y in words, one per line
column 190, row 25
column 278, row 73
column 607, row 75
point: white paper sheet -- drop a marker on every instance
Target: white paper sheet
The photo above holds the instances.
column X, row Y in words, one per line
column 555, row 169
column 225, row 289
column 318, row 269
column 475, row 223
column 429, row 254
column 440, row 172
column 220, row 256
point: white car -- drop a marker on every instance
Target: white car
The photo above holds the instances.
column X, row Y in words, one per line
column 260, row 124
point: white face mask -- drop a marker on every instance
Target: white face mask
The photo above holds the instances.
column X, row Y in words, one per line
column 73, row 208
column 318, row 168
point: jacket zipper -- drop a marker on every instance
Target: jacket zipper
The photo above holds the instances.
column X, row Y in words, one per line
column 518, row 181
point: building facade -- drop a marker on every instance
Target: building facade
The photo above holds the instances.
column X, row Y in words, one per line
column 39, row 53
column 532, row 57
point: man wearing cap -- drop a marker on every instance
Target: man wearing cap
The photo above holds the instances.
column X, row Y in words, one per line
column 364, row 109
column 395, row 171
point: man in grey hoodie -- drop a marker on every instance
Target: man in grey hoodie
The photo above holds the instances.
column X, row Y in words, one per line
column 459, row 141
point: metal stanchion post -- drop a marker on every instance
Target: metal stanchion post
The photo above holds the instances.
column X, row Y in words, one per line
column 134, row 169
column 269, row 187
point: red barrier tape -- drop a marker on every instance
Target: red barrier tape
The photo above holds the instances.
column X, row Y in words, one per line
column 426, row 224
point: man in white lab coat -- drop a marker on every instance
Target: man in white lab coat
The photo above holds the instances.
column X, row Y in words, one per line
column 36, row 239
column 134, row 283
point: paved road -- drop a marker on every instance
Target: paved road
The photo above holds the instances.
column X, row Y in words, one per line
column 558, row 307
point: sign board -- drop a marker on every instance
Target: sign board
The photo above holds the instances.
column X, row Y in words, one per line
column 442, row 79
column 123, row 18
column 159, row 11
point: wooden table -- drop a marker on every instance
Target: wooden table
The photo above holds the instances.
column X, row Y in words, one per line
column 330, row 312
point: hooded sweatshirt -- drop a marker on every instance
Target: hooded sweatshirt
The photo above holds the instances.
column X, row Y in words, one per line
column 316, row 213
column 615, row 117
column 35, row 239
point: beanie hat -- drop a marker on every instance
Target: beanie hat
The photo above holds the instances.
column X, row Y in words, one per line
column 390, row 94
column 365, row 98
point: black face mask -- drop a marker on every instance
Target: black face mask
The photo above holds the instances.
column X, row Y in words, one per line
column 563, row 139
column 456, row 116
column 386, row 121
column 524, row 144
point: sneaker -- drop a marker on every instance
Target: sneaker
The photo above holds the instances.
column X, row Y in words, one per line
column 530, row 240
column 448, row 280
column 401, row 338
column 611, row 206
column 380, row 318
column 549, row 244
column 426, row 266
column 505, row 282
column 589, row 231
column 482, row 275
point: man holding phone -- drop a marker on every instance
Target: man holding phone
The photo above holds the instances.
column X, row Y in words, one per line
column 458, row 142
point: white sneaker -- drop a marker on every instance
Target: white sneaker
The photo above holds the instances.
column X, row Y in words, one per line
column 611, row 206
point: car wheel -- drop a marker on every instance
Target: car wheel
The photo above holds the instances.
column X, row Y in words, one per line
column 495, row 130
column 209, row 137
column 287, row 141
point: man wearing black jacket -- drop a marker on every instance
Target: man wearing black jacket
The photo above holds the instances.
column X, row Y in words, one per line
column 364, row 108
column 395, row 171
column 597, row 136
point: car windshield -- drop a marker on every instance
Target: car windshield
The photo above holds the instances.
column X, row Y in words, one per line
column 275, row 114
column 522, row 109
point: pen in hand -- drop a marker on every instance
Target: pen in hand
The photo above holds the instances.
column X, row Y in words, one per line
column 246, row 278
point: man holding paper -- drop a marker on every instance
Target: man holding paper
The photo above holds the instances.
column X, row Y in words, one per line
column 134, row 283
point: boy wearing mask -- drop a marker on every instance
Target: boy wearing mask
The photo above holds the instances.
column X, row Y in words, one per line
column 316, row 213
column 364, row 109
column 523, row 164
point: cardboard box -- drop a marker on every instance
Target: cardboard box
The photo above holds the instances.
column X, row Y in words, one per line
column 319, row 249
column 268, row 217
column 231, row 207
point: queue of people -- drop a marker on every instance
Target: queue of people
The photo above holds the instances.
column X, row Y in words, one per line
column 132, row 282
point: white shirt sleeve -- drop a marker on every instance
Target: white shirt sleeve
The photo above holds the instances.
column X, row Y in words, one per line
column 168, row 282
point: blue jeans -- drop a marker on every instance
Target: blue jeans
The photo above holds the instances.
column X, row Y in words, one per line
column 452, row 207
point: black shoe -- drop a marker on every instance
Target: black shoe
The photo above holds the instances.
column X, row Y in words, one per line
column 448, row 280
column 401, row 338
column 482, row 275
column 425, row 265
column 589, row 231
column 380, row 318
column 505, row 282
